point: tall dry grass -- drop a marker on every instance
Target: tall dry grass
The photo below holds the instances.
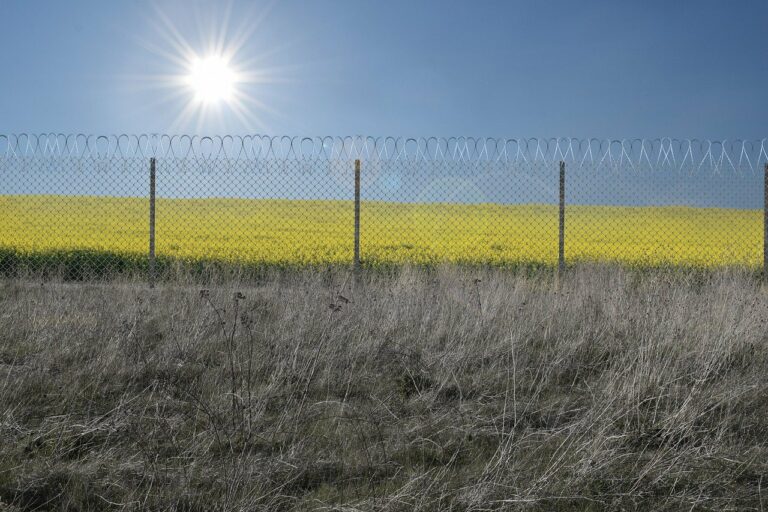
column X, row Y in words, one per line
column 444, row 390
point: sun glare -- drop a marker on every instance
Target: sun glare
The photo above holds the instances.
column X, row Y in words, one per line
column 211, row 79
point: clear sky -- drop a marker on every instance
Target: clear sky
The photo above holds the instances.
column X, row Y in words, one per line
column 392, row 67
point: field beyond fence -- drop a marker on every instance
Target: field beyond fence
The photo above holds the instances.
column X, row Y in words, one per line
column 90, row 205
column 295, row 232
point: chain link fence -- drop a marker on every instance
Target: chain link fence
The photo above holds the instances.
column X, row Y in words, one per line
column 80, row 207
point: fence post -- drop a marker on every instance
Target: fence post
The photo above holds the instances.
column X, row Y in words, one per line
column 765, row 224
column 561, row 239
column 357, row 215
column 152, row 269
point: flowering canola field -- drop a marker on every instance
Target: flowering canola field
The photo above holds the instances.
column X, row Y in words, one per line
column 304, row 232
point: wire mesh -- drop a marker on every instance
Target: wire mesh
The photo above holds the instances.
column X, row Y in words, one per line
column 665, row 216
column 77, row 207
column 76, row 217
column 459, row 212
column 251, row 212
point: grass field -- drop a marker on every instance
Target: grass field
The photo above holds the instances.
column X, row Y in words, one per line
column 414, row 391
column 42, row 229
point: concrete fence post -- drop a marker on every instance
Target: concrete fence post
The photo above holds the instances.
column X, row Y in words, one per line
column 152, row 269
column 561, row 227
column 357, row 215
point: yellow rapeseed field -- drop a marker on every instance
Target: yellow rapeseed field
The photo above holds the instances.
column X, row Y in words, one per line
column 320, row 232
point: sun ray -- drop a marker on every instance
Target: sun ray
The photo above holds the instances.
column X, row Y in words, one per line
column 213, row 70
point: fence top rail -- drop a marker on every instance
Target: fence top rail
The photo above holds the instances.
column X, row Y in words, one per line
column 659, row 152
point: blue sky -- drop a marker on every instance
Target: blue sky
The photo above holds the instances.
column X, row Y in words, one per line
column 415, row 68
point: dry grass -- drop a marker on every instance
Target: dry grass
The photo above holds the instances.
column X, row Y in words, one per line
column 443, row 390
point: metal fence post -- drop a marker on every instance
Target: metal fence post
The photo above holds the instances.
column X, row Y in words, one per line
column 765, row 224
column 561, row 239
column 357, row 215
column 152, row 269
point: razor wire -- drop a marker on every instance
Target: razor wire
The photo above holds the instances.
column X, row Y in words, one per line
column 700, row 155
column 77, row 206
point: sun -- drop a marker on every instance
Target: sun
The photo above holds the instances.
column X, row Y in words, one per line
column 219, row 76
column 211, row 79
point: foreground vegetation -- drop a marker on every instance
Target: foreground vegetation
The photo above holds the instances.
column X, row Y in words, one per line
column 442, row 390
column 50, row 231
